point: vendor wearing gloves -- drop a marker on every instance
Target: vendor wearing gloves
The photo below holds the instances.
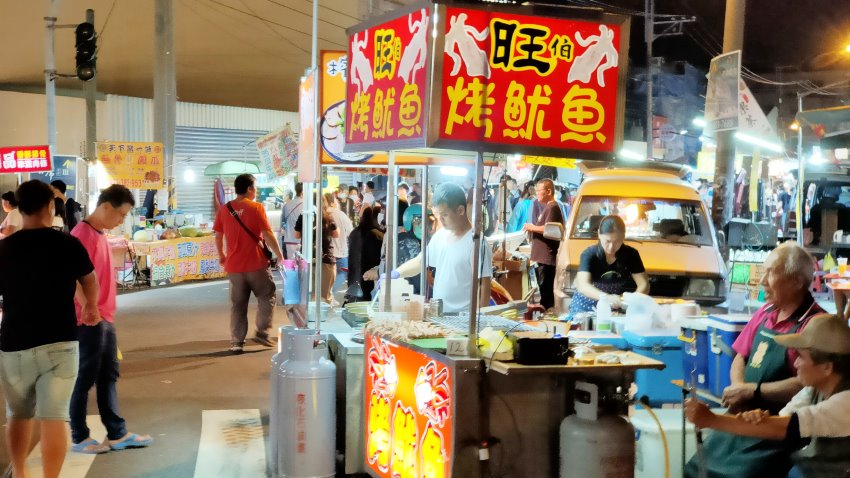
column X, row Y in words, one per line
column 608, row 269
column 819, row 414
column 450, row 253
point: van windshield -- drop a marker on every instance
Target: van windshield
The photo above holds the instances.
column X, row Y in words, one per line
column 654, row 220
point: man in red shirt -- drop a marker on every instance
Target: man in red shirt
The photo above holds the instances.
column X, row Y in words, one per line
column 241, row 253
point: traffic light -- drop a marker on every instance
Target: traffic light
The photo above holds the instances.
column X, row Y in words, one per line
column 86, row 51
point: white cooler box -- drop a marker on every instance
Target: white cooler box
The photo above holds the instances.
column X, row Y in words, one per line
column 649, row 462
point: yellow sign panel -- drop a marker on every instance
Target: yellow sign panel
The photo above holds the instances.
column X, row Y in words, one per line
column 178, row 260
column 568, row 163
column 134, row 165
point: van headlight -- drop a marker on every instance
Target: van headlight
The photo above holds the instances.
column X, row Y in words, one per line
column 701, row 288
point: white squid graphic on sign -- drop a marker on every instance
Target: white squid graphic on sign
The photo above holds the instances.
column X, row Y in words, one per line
column 464, row 37
column 361, row 69
column 414, row 56
column 599, row 57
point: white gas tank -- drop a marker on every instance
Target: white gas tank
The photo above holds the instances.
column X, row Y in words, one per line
column 307, row 396
column 594, row 445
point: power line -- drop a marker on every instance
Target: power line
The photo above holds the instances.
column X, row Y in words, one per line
column 308, row 15
column 258, row 17
column 335, row 11
column 103, row 30
column 225, row 30
column 275, row 32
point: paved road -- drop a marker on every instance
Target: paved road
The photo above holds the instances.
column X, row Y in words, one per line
column 176, row 367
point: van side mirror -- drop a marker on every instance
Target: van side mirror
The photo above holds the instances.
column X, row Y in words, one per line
column 721, row 240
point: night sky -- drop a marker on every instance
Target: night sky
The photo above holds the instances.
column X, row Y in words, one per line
column 778, row 33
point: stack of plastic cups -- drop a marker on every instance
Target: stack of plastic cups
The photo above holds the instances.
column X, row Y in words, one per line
column 277, row 359
column 307, row 413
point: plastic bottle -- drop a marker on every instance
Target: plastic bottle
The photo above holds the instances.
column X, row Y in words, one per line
column 603, row 315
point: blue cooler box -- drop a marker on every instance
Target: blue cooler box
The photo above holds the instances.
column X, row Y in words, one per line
column 664, row 346
column 695, row 352
column 722, row 332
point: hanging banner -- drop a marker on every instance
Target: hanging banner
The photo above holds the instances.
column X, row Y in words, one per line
column 530, row 82
column 409, row 412
column 25, row 159
column 278, row 152
column 387, row 84
column 134, row 165
column 568, row 163
column 721, row 97
column 307, row 120
column 65, row 170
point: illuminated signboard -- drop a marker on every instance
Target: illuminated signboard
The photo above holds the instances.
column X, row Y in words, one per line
column 530, row 81
column 408, row 409
column 307, row 121
column 134, row 165
column 25, row 159
column 386, row 86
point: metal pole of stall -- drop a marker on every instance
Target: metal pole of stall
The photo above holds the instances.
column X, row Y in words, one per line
column 801, row 175
column 49, row 72
column 318, row 174
column 392, row 230
column 472, row 346
column 423, row 277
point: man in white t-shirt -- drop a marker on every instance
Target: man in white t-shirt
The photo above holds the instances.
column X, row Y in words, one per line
column 368, row 195
column 450, row 252
column 288, row 217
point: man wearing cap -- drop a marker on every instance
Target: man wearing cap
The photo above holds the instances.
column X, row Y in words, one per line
column 763, row 372
column 819, row 413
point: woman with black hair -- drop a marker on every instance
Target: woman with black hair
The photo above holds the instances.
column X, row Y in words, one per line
column 364, row 252
column 608, row 269
column 14, row 221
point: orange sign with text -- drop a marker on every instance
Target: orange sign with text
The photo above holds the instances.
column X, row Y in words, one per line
column 134, row 165
column 408, row 401
column 515, row 79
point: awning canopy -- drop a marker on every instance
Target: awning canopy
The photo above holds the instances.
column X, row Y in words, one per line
column 830, row 118
column 232, row 168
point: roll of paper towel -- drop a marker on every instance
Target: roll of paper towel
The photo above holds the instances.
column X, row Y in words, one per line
column 683, row 310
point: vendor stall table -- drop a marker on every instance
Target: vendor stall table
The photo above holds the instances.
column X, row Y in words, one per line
column 520, row 405
column 182, row 259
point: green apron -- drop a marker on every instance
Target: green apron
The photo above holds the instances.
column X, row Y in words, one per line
column 824, row 457
column 728, row 455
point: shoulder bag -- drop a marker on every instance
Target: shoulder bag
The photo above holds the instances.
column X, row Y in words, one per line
column 261, row 243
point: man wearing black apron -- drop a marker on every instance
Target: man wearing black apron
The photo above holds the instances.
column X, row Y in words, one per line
column 767, row 380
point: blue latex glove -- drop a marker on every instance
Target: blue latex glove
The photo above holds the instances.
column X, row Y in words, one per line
column 393, row 275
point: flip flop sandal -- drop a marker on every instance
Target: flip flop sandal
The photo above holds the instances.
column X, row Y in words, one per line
column 90, row 447
column 132, row 441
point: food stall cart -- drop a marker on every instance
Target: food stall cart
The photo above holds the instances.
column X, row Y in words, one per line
column 561, row 73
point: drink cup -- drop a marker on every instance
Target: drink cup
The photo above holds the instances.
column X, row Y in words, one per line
column 842, row 265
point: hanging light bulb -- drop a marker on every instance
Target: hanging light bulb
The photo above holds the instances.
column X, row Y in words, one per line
column 189, row 175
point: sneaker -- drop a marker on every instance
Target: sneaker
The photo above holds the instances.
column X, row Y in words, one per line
column 264, row 340
column 236, row 349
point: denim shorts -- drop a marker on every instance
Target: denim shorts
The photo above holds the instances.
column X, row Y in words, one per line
column 38, row 382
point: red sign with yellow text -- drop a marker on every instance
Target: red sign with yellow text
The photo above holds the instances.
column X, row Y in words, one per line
column 408, row 400
column 25, row 159
column 547, row 83
column 386, row 86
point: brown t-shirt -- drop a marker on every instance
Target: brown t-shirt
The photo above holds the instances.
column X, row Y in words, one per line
column 545, row 251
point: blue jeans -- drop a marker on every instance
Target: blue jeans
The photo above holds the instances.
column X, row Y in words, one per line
column 341, row 275
column 98, row 367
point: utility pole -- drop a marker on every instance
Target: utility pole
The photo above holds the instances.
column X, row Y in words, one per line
column 90, row 88
column 165, row 90
column 724, row 164
column 673, row 25
column 50, row 75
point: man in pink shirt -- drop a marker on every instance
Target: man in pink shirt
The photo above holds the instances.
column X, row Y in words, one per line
column 98, row 344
